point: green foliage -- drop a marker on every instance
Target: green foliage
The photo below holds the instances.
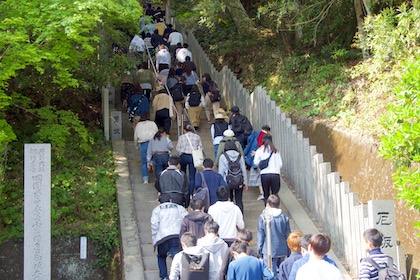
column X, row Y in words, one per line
column 393, row 35
column 311, row 86
column 274, row 13
column 314, row 22
column 205, row 13
column 83, row 196
column 401, row 142
column 54, row 58
column 60, row 128
column 48, row 46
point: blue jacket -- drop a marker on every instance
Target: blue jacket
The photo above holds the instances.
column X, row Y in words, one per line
column 280, row 230
column 251, row 146
column 144, row 105
column 213, row 180
column 286, row 266
column 248, row 268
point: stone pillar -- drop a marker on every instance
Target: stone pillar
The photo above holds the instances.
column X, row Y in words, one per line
column 37, row 212
column 105, row 110
column 381, row 215
column 116, row 125
column 111, row 92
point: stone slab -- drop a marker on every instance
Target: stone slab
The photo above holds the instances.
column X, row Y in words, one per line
column 37, row 211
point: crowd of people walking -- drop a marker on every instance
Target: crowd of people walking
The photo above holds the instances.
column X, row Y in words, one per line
column 199, row 221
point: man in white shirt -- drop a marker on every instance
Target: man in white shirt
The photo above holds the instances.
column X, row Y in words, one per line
column 188, row 244
column 137, row 46
column 317, row 268
column 182, row 53
column 163, row 58
column 215, row 246
column 174, row 38
column 227, row 215
column 143, row 133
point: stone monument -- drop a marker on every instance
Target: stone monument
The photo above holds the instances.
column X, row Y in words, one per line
column 37, row 212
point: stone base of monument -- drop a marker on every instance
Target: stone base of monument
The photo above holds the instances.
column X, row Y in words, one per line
column 65, row 261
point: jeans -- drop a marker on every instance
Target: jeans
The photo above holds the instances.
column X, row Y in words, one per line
column 161, row 162
column 171, row 246
column 216, row 147
column 270, row 182
column 143, row 153
column 187, row 160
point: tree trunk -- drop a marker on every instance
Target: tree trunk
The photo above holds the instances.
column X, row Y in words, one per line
column 285, row 37
column 358, row 8
column 239, row 16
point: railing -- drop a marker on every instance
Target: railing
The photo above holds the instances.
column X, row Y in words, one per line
column 177, row 114
column 335, row 208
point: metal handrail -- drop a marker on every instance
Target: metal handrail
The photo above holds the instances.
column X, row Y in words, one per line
column 166, row 87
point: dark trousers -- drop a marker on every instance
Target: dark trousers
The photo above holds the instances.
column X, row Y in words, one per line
column 238, row 198
column 163, row 120
column 162, row 66
column 171, row 246
column 270, row 182
column 243, row 139
column 161, row 162
column 187, row 160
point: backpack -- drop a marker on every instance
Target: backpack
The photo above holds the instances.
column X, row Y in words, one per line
column 230, row 145
column 246, row 125
column 195, row 267
column 203, row 193
column 241, row 124
column 134, row 109
column 177, row 92
column 215, row 92
column 195, row 98
column 234, row 177
column 388, row 272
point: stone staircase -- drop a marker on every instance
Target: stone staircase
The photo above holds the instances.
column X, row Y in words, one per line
column 145, row 196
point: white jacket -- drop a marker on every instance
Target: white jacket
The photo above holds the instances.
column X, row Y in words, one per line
column 166, row 221
column 217, row 248
column 176, row 266
column 228, row 216
column 275, row 163
column 145, row 130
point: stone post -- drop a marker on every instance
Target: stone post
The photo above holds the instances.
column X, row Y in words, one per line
column 37, row 212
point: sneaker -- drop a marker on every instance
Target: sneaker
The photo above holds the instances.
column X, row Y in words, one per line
column 146, row 182
column 260, row 197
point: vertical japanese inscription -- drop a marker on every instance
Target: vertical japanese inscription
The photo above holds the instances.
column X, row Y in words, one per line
column 37, row 212
column 382, row 217
column 116, row 125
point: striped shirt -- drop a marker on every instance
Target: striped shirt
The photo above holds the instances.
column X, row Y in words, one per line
column 367, row 271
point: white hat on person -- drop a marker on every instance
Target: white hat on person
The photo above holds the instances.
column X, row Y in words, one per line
column 228, row 133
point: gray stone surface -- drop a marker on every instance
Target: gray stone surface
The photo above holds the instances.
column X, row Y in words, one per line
column 37, row 212
column 116, row 125
column 130, row 242
column 381, row 215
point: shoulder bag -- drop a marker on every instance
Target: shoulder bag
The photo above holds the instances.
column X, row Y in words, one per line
column 197, row 154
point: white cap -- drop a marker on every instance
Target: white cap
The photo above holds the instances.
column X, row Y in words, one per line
column 228, row 133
